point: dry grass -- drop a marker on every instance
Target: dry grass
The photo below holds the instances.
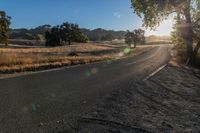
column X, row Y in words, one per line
column 31, row 59
column 19, row 63
column 76, row 48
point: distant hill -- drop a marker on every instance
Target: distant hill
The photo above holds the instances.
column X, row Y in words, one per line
column 99, row 34
column 38, row 33
column 103, row 35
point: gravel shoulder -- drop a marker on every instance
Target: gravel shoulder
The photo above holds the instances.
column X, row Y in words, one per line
column 168, row 102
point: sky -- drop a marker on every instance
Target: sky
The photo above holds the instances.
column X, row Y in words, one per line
column 107, row 14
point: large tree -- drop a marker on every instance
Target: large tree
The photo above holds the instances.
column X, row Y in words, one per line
column 154, row 12
column 4, row 27
column 65, row 33
column 135, row 37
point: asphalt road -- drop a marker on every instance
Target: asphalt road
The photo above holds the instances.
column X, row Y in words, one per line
column 27, row 102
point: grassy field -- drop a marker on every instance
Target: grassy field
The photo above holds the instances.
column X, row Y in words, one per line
column 30, row 59
column 13, row 59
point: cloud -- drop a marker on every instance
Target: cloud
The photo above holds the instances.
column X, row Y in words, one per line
column 117, row 15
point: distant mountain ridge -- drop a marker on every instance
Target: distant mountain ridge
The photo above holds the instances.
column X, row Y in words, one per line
column 38, row 33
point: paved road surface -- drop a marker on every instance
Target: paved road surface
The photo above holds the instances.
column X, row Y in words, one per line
column 29, row 100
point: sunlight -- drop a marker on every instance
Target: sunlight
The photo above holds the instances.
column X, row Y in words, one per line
column 164, row 29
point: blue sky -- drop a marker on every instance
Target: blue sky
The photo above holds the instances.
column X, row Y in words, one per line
column 108, row 14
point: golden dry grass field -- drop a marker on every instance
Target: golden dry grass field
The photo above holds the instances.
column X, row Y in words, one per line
column 13, row 59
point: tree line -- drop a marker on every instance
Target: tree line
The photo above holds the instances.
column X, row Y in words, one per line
column 38, row 33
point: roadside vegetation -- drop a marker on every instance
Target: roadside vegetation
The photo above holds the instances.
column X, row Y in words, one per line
column 187, row 29
column 180, row 47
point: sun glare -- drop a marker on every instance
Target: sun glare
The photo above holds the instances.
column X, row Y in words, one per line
column 164, row 29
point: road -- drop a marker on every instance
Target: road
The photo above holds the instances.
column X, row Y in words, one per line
column 29, row 101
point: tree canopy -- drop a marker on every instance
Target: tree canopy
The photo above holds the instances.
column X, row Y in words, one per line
column 135, row 37
column 65, row 33
column 154, row 12
column 4, row 27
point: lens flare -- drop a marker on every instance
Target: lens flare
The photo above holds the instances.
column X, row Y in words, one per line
column 127, row 50
column 94, row 70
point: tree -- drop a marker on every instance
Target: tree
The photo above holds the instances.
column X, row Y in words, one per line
column 65, row 33
column 176, row 34
column 77, row 35
column 80, row 38
column 138, row 36
column 53, row 37
column 128, row 38
column 155, row 11
column 135, row 37
column 4, row 27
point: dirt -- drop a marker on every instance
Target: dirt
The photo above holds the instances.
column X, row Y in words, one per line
column 169, row 102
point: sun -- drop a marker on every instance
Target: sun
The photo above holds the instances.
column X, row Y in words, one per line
column 164, row 29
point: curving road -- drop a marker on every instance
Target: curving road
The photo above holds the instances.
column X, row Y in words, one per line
column 29, row 102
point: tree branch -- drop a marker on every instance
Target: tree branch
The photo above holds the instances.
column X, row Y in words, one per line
column 196, row 22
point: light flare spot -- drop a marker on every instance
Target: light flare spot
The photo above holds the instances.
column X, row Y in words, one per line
column 127, row 50
column 94, row 70
column 87, row 74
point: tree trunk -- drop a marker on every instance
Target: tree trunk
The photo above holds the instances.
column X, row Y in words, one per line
column 69, row 41
column 188, row 35
column 6, row 44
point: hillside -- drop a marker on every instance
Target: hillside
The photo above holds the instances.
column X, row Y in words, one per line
column 38, row 33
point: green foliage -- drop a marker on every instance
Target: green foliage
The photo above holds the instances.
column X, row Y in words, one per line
column 128, row 38
column 154, row 12
column 4, row 27
column 80, row 38
column 53, row 37
column 65, row 33
column 176, row 34
column 135, row 37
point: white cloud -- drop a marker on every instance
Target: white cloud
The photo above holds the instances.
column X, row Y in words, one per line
column 117, row 15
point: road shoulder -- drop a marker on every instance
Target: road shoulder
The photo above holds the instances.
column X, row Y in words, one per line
column 167, row 102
